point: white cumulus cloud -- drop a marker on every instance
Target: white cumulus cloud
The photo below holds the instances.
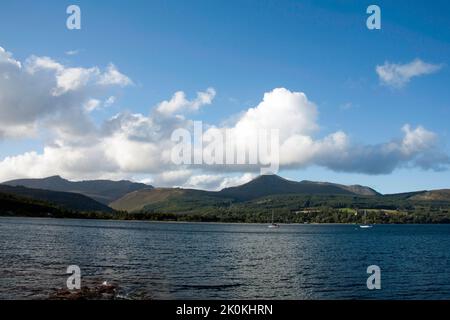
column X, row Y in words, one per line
column 44, row 92
column 6, row 58
column 179, row 102
column 113, row 76
column 398, row 75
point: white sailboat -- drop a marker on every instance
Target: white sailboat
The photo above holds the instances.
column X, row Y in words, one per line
column 365, row 225
column 273, row 225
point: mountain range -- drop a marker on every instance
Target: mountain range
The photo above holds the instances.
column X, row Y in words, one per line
column 103, row 191
column 106, row 196
column 259, row 190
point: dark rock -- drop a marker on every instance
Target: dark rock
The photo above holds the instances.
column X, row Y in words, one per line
column 103, row 291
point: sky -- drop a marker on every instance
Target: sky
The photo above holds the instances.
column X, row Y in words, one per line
column 353, row 105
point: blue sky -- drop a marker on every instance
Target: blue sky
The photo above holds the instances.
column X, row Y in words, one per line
column 246, row 48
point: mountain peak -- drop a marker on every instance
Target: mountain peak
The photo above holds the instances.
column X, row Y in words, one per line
column 268, row 177
column 54, row 178
column 272, row 184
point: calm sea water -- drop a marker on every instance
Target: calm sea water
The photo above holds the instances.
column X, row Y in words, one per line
column 225, row 261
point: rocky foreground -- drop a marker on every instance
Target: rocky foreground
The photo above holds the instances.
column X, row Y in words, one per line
column 103, row 291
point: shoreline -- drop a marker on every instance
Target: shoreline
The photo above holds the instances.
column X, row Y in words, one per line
column 218, row 222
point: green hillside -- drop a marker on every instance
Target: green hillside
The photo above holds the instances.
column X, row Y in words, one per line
column 12, row 205
column 103, row 191
column 66, row 200
column 168, row 200
column 434, row 195
column 272, row 184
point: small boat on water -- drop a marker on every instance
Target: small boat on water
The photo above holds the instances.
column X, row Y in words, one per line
column 365, row 225
column 273, row 225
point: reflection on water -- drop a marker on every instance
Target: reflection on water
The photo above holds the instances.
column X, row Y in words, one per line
column 225, row 261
